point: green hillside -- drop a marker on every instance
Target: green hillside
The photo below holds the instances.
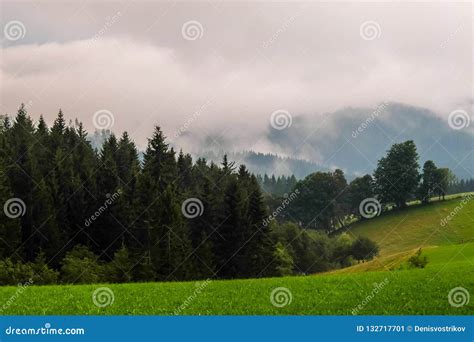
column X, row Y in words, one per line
column 382, row 286
column 419, row 226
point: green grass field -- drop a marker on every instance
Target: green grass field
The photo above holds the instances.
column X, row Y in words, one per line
column 377, row 287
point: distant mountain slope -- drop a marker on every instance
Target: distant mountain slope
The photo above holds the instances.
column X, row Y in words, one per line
column 335, row 141
column 265, row 163
column 352, row 139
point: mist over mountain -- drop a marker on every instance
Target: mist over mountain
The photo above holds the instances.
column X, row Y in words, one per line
column 352, row 139
column 267, row 163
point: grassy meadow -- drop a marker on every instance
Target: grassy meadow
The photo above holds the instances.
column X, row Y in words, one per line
column 382, row 286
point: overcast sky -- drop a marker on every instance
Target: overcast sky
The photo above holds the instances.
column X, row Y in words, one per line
column 206, row 67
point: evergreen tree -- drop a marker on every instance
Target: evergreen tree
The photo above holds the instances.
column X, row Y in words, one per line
column 230, row 240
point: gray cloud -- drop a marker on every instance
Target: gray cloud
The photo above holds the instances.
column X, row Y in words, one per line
column 252, row 59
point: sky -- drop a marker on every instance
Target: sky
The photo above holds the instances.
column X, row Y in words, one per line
column 208, row 68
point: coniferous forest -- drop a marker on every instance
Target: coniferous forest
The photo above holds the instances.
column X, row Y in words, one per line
column 78, row 215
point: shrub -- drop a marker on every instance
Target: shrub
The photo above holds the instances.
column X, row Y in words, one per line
column 364, row 249
column 119, row 269
column 418, row 260
column 43, row 274
column 283, row 260
column 80, row 266
column 14, row 273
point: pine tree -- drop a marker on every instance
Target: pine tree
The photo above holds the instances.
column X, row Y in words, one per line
column 21, row 174
column 10, row 228
column 258, row 247
column 230, row 240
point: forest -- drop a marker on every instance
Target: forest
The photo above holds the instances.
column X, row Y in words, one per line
column 77, row 214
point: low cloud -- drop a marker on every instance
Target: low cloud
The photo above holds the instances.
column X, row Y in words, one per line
column 307, row 61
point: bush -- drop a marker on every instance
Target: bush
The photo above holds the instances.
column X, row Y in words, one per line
column 80, row 266
column 119, row 269
column 342, row 250
column 43, row 274
column 364, row 249
column 283, row 260
column 418, row 260
column 14, row 273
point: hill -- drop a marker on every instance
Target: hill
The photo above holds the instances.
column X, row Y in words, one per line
column 420, row 226
column 382, row 286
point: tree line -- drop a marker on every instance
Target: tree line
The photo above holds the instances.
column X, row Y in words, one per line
column 327, row 202
column 277, row 185
column 80, row 215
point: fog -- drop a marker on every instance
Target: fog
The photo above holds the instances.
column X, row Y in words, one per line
column 234, row 64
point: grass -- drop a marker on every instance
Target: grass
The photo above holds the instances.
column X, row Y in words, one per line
column 450, row 250
column 419, row 226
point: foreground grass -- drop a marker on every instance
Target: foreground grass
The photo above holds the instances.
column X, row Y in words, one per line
column 403, row 292
column 400, row 292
